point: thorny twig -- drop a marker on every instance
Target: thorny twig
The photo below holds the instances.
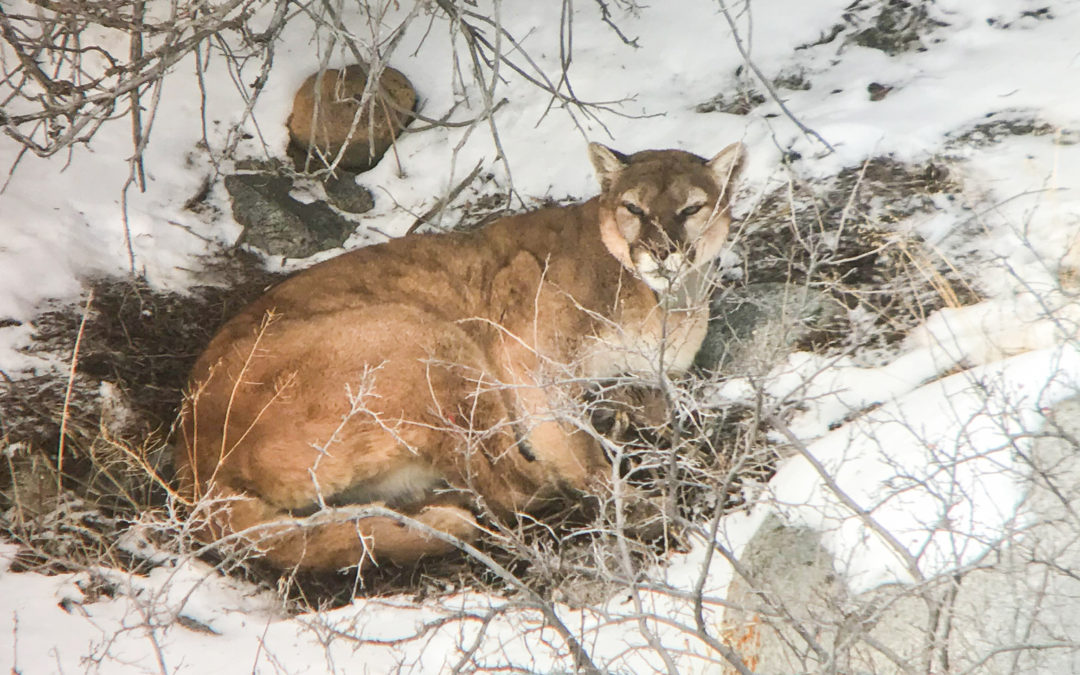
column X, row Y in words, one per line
column 745, row 53
column 911, row 564
column 445, row 200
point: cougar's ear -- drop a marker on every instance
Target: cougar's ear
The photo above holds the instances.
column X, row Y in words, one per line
column 728, row 163
column 607, row 163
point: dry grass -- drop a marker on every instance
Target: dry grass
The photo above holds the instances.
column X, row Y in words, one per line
column 85, row 447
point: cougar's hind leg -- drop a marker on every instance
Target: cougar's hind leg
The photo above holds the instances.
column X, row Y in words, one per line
column 277, row 437
column 334, row 539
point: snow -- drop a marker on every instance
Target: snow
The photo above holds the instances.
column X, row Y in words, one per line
column 934, row 467
column 937, row 464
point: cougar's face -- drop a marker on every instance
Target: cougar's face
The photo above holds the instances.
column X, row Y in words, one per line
column 665, row 212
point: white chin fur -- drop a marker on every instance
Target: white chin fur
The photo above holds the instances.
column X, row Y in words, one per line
column 661, row 276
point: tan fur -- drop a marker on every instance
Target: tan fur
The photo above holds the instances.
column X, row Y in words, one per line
column 417, row 374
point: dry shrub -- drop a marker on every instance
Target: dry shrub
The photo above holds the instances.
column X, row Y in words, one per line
column 842, row 238
column 84, row 456
column 681, row 465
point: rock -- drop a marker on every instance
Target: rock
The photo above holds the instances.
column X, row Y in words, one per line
column 327, row 122
column 752, row 328
column 278, row 224
column 344, row 193
column 878, row 91
column 791, row 582
column 899, row 27
column 787, row 567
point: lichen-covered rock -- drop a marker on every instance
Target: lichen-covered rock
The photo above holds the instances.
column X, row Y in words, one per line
column 343, row 192
column 280, row 225
column 330, row 122
column 755, row 327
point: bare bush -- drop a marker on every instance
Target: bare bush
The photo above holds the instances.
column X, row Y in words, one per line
column 683, row 461
column 590, row 588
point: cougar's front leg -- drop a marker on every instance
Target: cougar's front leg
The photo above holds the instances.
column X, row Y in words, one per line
column 550, row 435
column 531, row 321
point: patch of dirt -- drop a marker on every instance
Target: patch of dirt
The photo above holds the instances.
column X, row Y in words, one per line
column 140, row 340
column 743, row 96
column 1025, row 19
column 841, row 238
column 136, row 346
column 486, row 201
column 825, row 38
column 792, row 79
column 483, row 206
column 741, row 102
column 1006, row 123
column 896, row 26
column 891, row 26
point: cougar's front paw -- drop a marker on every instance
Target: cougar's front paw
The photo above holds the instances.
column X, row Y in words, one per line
column 627, row 413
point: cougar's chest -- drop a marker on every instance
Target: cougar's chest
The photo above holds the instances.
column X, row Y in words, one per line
column 649, row 334
column 666, row 341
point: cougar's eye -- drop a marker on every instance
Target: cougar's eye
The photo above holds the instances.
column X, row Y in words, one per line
column 690, row 210
column 633, row 209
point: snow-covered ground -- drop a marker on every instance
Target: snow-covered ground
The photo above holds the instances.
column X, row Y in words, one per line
column 934, row 465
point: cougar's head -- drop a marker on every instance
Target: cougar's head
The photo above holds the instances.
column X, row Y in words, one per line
column 665, row 212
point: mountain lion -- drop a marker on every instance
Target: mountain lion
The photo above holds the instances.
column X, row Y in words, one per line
column 429, row 375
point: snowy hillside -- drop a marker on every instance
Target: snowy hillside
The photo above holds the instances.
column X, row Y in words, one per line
column 910, row 441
